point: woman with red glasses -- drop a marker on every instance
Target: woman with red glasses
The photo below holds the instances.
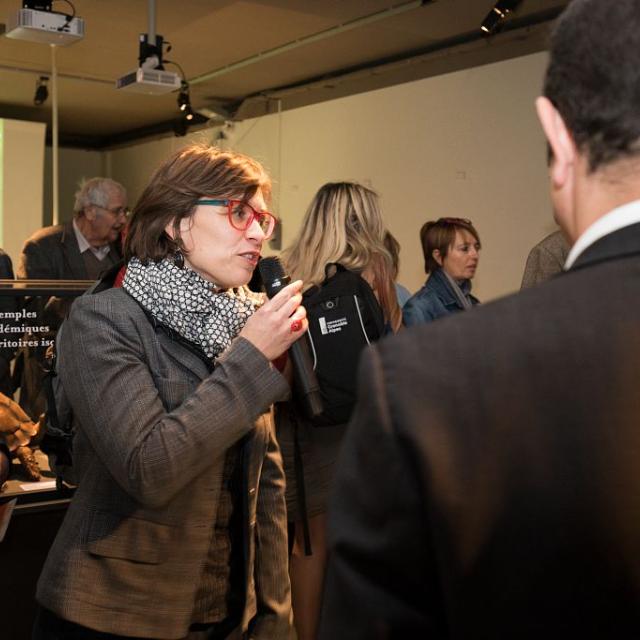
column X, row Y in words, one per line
column 451, row 248
column 178, row 526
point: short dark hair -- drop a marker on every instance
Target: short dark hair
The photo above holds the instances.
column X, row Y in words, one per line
column 441, row 234
column 172, row 194
column 593, row 80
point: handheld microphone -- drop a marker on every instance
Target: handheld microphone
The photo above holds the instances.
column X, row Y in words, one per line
column 275, row 279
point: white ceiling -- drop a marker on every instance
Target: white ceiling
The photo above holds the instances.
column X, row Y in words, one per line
column 389, row 42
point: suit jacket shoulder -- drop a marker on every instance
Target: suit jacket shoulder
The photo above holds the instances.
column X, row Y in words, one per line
column 52, row 253
column 48, row 234
column 545, row 260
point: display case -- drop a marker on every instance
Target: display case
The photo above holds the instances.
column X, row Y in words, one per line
column 30, row 511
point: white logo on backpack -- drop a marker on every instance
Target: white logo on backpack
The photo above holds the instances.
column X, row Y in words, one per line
column 333, row 326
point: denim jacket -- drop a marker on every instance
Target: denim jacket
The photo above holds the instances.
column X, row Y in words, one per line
column 434, row 300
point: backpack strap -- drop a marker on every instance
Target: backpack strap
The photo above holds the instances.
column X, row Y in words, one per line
column 365, row 292
column 300, row 488
column 376, row 313
column 330, row 270
column 55, row 441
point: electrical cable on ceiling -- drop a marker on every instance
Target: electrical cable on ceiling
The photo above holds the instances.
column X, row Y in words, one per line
column 67, row 18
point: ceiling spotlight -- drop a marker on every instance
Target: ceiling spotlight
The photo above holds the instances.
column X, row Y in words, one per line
column 42, row 93
column 490, row 23
column 184, row 100
column 499, row 12
column 186, row 117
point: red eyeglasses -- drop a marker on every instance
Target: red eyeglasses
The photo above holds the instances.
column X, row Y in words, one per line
column 241, row 215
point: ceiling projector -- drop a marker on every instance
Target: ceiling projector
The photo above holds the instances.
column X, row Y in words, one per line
column 150, row 81
column 44, row 26
column 150, row 77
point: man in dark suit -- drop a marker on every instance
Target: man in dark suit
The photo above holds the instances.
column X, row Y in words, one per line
column 85, row 247
column 490, row 480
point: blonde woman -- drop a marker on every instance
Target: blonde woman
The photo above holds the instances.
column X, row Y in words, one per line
column 343, row 225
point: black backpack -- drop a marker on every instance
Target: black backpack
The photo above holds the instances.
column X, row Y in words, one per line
column 344, row 317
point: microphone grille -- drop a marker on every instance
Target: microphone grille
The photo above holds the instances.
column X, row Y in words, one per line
column 271, row 269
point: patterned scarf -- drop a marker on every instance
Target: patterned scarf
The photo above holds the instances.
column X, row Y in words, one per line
column 183, row 300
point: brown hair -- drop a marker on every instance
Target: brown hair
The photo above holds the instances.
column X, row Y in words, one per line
column 393, row 247
column 187, row 175
column 441, row 234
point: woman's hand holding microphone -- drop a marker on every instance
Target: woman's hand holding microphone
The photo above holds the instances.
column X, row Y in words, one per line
column 278, row 323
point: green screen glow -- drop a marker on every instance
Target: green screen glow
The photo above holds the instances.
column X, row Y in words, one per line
column 1, row 182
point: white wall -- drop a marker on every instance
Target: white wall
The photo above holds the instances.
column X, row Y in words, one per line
column 75, row 165
column 465, row 144
column 132, row 166
column 21, row 162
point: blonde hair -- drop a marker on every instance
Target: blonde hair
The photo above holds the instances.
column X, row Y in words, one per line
column 344, row 224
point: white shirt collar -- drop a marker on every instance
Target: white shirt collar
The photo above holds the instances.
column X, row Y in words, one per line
column 83, row 244
column 619, row 218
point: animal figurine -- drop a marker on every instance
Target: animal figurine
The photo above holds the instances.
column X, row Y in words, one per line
column 18, row 431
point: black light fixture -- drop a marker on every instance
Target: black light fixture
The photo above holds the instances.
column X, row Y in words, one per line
column 42, row 92
column 184, row 100
column 182, row 122
column 186, row 115
column 499, row 12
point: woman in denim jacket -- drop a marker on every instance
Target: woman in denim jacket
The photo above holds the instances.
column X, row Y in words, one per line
column 451, row 248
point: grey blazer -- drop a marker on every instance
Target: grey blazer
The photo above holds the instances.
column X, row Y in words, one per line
column 153, row 429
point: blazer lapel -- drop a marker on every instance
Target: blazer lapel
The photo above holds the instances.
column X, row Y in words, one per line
column 182, row 356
